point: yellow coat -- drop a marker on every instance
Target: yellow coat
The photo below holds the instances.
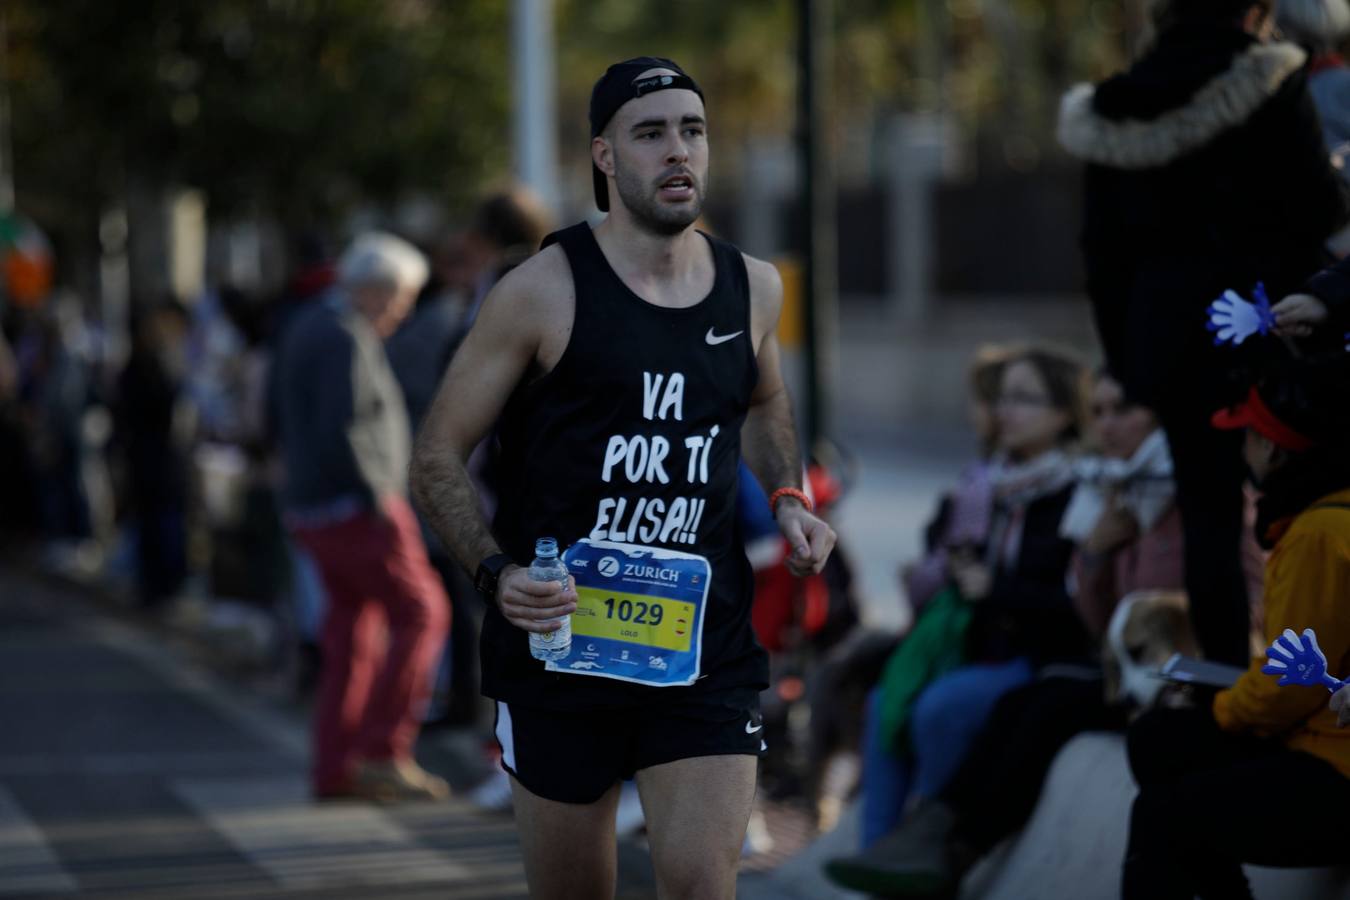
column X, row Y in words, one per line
column 1307, row 586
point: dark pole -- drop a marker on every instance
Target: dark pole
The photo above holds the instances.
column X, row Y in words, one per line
column 819, row 273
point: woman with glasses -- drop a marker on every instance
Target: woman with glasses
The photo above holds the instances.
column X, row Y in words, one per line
column 1007, row 611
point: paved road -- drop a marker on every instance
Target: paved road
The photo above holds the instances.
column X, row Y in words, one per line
column 125, row 770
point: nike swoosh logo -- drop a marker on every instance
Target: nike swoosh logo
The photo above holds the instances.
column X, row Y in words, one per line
column 715, row 339
column 749, row 730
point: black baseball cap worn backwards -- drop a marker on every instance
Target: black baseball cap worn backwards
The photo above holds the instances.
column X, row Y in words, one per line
column 621, row 83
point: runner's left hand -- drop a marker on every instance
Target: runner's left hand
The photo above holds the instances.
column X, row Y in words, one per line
column 811, row 538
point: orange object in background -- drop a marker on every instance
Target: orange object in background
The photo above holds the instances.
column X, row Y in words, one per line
column 792, row 322
column 26, row 262
column 787, row 606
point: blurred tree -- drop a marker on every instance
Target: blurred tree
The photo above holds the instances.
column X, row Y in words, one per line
column 299, row 110
column 290, row 108
column 997, row 67
column 741, row 54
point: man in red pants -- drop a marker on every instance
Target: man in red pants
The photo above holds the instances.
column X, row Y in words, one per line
column 346, row 445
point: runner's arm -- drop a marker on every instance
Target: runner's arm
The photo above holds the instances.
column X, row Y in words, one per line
column 769, row 437
column 495, row 355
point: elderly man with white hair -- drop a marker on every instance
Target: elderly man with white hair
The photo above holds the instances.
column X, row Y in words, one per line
column 346, row 444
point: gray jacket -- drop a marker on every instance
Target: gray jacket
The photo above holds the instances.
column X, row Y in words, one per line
column 343, row 424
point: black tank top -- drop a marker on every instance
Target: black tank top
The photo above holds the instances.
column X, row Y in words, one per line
column 669, row 389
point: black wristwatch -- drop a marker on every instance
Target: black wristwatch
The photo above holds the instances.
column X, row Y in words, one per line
column 489, row 570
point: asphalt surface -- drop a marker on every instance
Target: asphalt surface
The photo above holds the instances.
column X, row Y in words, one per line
column 130, row 769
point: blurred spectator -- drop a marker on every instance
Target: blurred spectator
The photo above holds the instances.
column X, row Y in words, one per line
column 420, row 350
column 1128, row 531
column 962, row 518
column 1206, row 170
column 1123, row 517
column 312, row 275
column 311, row 278
column 1320, row 27
column 154, row 436
column 838, row 691
column 346, row 444
column 1198, row 766
column 1005, row 611
column 419, row 353
column 249, row 558
column 15, row 485
column 58, row 392
column 9, row 373
column 507, row 229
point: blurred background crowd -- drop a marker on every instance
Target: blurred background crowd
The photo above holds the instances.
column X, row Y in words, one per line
column 178, row 184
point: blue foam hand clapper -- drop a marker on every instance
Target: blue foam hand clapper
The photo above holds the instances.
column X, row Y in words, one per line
column 1298, row 660
column 1233, row 319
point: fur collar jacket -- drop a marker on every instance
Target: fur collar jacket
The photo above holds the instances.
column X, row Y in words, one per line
column 1191, row 87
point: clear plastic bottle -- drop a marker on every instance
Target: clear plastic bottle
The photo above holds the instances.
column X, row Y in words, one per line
column 554, row 645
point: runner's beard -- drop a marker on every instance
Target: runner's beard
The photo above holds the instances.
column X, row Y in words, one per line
column 642, row 203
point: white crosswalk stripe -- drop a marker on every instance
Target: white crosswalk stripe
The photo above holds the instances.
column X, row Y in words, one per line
column 274, row 824
column 27, row 864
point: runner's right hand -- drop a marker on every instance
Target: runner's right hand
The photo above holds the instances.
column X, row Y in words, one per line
column 534, row 605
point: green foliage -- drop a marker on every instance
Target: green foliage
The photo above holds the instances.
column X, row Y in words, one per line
column 293, row 107
column 997, row 67
column 303, row 108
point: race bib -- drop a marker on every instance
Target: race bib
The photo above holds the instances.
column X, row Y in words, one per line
column 639, row 613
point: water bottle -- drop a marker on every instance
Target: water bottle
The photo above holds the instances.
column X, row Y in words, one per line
column 553, row 645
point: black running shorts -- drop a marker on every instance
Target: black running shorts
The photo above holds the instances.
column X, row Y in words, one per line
column 574, row 757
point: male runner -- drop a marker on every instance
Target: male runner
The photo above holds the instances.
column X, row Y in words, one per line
column 627, row 364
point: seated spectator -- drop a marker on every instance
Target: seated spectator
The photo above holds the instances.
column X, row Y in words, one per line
column 152, row 432
column 1260, row 773
column 838, row 691
column 962, row 517
column 1124, row 519
column 1005, row 610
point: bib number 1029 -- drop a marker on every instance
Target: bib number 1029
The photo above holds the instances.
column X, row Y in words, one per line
column 635, row 611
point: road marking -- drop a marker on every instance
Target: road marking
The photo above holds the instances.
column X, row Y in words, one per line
column 27, row 863
column 250, row 715
column 303, row 845
column 27, row 765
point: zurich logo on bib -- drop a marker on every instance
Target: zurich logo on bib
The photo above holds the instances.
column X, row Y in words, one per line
column 639, row 613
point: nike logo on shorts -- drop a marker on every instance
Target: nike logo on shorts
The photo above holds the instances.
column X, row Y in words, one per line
column 751, row 727
column 715, row 339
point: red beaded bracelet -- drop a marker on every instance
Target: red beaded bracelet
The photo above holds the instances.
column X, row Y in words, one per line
column 790, row 492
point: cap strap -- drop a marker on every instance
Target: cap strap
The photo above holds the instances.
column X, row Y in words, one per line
column 653, row 83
